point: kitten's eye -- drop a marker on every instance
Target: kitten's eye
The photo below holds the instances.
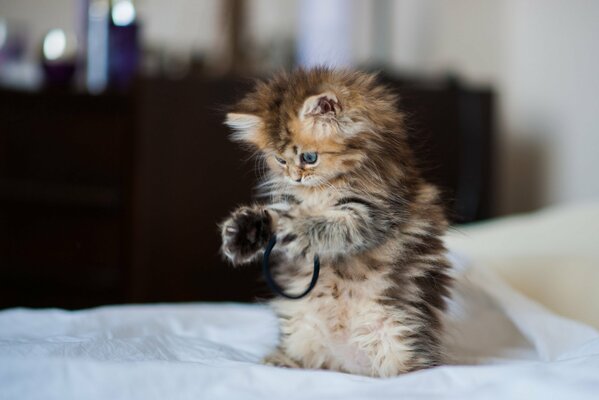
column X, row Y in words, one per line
column 280, row 160
column 310, row 157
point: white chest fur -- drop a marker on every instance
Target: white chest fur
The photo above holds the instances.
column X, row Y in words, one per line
column 342, row 325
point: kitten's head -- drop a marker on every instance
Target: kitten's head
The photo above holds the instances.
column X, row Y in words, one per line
column 316, row 126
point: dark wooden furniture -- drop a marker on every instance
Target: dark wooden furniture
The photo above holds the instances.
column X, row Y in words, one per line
column 116, row 198
column 65, row 182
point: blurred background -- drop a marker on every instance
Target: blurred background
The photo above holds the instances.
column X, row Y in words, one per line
column 115, row 167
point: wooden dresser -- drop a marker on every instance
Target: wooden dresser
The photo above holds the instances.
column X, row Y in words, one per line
column 115, row 198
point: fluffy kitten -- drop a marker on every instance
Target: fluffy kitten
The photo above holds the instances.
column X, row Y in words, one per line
column 342, row 183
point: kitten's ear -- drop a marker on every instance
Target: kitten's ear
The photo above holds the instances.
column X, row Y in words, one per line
column 324, row 104
column 246, row 127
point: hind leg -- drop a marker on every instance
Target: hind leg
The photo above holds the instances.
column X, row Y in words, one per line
column 279, row 359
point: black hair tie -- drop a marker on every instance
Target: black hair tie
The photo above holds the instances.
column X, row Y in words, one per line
column 271, row 282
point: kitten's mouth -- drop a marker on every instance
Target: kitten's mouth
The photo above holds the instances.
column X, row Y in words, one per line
column 295, row 183
column 309, row 182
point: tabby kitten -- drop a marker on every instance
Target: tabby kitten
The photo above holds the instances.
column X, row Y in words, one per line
column 342, row 184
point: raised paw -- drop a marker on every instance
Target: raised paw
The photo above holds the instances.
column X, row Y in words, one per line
column 289, row 239
column 245, row 234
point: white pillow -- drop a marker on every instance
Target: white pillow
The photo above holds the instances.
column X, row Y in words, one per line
column 552, row 256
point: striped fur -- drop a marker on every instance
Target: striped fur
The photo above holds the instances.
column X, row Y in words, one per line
column 362, row 207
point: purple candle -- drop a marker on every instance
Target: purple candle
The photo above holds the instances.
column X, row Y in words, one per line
column 59, row 51
column 123, row 44
column 123, row 54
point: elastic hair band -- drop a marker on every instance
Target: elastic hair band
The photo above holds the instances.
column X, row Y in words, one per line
column 271, row 282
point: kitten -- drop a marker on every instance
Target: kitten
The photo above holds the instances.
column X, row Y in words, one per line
column 342, row 184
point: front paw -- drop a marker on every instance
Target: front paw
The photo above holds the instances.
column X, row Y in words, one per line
column 290, row 241
column 245, row 234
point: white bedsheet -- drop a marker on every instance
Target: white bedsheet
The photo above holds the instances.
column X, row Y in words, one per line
column 505, row 347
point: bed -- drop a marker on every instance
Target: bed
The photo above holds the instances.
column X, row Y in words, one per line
column 501, row 343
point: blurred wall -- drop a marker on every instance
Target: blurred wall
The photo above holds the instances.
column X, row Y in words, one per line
column 540, row 55
column 183, row 25
column 550, row 86
column 39, row 16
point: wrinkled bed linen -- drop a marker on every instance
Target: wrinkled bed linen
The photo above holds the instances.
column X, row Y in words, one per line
column 500, row 345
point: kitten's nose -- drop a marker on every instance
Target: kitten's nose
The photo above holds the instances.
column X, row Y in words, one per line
column 295, row 174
